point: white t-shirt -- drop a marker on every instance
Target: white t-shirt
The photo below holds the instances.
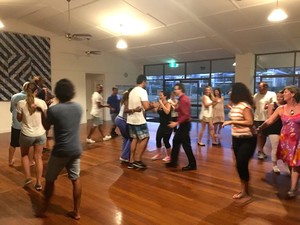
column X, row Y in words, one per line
column 136, row 97
column 31, row 125
column 260, row 101
column 96, row 111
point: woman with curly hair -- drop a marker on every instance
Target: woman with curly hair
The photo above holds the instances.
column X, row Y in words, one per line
column 243, row 134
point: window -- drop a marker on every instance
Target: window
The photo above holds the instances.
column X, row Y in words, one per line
column 154, row 81
column 175, row 72
column 278, row 70
column 194, row 75
column 297, row 70
column 223, row 74
column 197, row 70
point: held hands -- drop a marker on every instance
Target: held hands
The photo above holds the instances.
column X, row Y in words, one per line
column 259, row 129
column 172, row 124
column 228, row 122
column 37, row 108
column 160, row 102
column 137, row 109
column 154, row 104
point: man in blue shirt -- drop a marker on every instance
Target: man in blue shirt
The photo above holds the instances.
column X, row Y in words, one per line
column 16, row 126
column 114, row 104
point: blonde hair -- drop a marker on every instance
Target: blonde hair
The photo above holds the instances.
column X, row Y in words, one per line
column 211, row 96
column 31, row 88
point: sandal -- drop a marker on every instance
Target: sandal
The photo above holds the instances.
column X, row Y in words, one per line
column 238, row 195
column 27, row 182
column 291, row 194
column 200, row 144
column 38, row 187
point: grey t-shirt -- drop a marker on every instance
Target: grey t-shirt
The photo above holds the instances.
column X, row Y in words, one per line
column 66, row 120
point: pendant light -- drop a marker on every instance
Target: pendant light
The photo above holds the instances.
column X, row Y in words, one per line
column 121, row 44
column 277, row 14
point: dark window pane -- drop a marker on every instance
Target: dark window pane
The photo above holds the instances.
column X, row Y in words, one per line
column 275, row 64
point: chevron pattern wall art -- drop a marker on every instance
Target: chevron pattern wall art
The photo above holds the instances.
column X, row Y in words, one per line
column 21, row 57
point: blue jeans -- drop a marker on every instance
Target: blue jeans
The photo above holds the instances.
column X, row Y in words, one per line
column 122, row 125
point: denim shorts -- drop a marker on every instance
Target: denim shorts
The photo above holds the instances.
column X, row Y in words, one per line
column 138, row 131
column 26, row 141
column 56, row 165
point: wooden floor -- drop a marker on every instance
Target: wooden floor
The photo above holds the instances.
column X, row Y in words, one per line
column 115, row 195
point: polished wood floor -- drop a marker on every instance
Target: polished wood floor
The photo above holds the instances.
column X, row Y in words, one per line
column 115, row 195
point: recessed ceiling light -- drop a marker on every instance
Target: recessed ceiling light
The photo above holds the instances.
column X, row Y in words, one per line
column 130, row 25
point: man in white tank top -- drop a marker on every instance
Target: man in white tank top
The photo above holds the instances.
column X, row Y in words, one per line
column 261, row 100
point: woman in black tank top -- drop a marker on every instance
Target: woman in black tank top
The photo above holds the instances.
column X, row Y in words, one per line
column 163, row 108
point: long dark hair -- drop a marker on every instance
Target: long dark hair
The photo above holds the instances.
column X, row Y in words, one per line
column 240, row 93
column 219, row 90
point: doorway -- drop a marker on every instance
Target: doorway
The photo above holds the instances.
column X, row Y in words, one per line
column 91, row 80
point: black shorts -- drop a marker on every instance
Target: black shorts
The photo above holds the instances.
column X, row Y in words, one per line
column 14, row 137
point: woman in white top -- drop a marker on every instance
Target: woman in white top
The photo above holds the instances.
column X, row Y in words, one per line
column 32, row 133
column 206, row 115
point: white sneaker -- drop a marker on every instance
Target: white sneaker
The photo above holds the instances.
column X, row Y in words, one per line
column 90, row 141
column 106, row 138
column 123, row 160
column 261, row 155
column 276, row 169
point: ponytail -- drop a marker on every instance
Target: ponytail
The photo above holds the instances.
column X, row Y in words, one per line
column 31, row 88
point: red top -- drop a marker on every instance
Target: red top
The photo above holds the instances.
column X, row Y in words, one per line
column 184, row 109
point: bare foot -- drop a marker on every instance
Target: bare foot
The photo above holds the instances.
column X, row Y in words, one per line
column 73, row 215
column 11, row 164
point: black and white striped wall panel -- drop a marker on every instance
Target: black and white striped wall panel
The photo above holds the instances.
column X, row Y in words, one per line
column 21, row 57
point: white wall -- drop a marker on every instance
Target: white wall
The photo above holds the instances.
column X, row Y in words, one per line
column 244, row 70
column 68, row 61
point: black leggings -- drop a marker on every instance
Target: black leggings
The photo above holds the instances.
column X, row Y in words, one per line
column 244, row 149
column 165, row 134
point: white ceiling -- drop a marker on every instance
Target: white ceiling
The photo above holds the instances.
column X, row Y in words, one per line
column 184, row 30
